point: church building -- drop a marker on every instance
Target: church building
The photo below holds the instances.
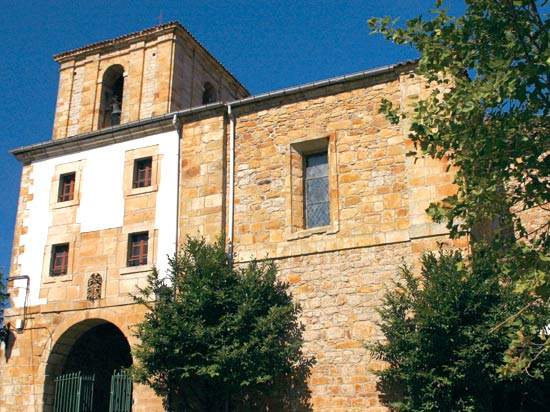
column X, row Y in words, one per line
column 155, row 140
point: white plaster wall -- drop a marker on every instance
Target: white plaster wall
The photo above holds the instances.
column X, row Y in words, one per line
column 34, row 241
column 101, row 204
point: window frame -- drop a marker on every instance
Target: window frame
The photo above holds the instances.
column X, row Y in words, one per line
column 66, row 195
column 62, row 251
column 142, row 165
column 133, row 239
column 308, row 201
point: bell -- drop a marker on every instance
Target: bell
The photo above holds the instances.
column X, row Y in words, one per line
column 115, row 108
column 115, row 111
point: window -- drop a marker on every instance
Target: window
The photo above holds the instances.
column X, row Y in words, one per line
column 138, row 247
column 66, row 187
column 59, row 260
column 312, row 204
column 316, row 193
column 141, row 167
column 142, row 172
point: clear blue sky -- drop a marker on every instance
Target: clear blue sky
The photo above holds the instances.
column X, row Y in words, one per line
column 267, row 45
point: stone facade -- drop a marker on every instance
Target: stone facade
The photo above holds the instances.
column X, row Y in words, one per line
column 378, row 196
column 236, row 168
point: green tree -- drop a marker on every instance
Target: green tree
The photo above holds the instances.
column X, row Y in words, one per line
column 441, row 346
column 218, row 338
column 487, row 113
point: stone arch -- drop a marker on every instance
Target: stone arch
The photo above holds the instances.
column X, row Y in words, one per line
column 91, row 346
column 112, row 96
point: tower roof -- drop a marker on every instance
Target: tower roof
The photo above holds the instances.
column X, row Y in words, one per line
column 124, row 40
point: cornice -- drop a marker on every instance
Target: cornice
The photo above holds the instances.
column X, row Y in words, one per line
column 115, row 134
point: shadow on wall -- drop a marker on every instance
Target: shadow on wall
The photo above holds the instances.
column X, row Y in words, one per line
column 8, row 338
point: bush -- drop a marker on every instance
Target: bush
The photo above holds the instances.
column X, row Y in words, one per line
column 442, row 347
column 218, row 338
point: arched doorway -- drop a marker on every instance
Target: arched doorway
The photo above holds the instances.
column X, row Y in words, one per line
column 92, row 347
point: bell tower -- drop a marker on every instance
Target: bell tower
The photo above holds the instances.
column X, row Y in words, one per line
column 137, row 76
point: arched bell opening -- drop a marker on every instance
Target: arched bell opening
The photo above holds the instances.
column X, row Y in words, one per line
column 209, row 94
column 112, row 92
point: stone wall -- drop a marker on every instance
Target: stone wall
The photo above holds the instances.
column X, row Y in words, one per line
column 339, row 292
column 202, row 184
column 378, row 196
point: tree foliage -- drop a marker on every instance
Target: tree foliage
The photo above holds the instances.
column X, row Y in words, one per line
column 441, row 345
column 218, row 338
column 487, row 113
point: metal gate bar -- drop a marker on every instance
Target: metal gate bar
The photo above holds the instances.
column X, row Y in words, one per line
column 121, row 392
column 74, row 393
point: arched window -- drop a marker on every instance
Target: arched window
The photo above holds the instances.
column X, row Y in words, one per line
column 208, row 93
column 111, row 96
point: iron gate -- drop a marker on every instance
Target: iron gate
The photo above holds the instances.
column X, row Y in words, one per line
column 74, row 392
column 121, row 392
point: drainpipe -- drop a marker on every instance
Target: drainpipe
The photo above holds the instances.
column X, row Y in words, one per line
column 176, row 122
column 231, row 184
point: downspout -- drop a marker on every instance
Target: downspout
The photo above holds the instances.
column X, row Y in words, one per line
column 176, row 122
column 231, row 199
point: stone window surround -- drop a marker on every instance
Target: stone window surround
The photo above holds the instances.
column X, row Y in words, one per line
column 130, row 158
column 61, row 170
column 53, row 241
column 126, row 232
column 295, row 203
